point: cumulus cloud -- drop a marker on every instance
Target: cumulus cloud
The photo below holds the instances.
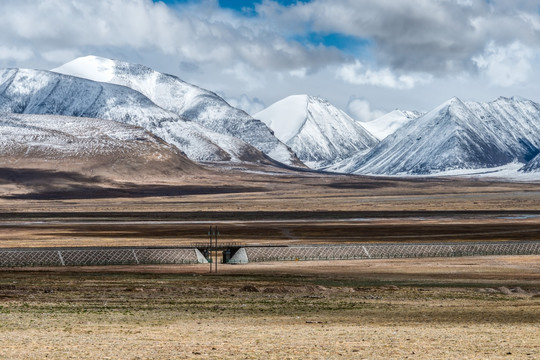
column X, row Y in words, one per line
column 360, row 110
column 437, row 37
column 61, row 55
column 273, row 50
column 201, row 33
column 15, row 53
column 244, row 102
column 506, row 65
column 358, row 74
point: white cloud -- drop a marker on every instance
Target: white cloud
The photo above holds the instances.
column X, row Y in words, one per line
column 358, row 74
column 192, row 32
column 268, row 54
column 244, row 102
column 15, row 53
column 301, row 72
column 439, row 37
column 61, row 55
column 506, row 65
column 360, row 110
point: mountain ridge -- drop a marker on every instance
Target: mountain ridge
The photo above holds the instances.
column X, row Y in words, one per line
column 88, row 146
column 453, row 136
column 44, row 92
column 189, row 101
column 318, row 132
column 390, row 122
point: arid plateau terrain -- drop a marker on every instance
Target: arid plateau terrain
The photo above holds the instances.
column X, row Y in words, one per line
column 471, row 307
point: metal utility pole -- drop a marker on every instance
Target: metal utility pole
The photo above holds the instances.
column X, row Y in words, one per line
column 210, row 249
column 213, row 246
column 217, row 233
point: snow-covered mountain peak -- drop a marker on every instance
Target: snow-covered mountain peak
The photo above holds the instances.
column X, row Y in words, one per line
column 459, row 135
column 515, row 98
column 185, row 100
column 319, row 133
column 285, row 117
column 44, row 92
column 89, row 67
column 454, row 102
column 453, row 110
column 390, row 122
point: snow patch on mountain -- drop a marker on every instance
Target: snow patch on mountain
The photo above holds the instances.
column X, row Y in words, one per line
column 88, row 145
column 507, row 172
column 43, row 92
column 319, row 133
column 188, row 101
column 286, row 117
column 390, row 123
column 532, row 166
column 449, row 137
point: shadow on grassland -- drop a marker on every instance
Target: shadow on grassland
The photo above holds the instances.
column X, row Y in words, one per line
column 61, row 185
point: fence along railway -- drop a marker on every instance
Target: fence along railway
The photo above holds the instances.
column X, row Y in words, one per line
column 233, row 253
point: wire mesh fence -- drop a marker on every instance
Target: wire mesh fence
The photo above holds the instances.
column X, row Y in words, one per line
column 388, row 251
column 101, row 256
column 127, row 256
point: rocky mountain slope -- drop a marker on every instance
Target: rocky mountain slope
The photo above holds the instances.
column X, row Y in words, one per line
column 532, row 166
column 188, row 101
column 88, row 146
column 319, row 133
column 43, row 92
column 458, row 135
column 516, row 121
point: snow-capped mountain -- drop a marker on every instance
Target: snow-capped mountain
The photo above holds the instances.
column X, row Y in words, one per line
column 532, row 166
column 188, row 101
column 516, row 121
column 459, row 135
column 389, row 123
column 44, row 92
column 319, row 133
column 91, row 146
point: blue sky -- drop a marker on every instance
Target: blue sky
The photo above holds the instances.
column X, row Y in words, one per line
column 239, row 5
column 230, row 4
column 372, row 55
column 349, row 44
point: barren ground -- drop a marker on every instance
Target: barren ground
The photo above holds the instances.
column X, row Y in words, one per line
column 484, row 307
column 478, row 307
column 261, row 208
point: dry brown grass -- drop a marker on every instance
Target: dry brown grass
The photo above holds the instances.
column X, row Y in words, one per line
column 473, row 308
column 432, row 308
column 284, row 191
column 392, row 210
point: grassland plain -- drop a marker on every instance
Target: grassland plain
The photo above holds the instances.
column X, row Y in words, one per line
column 482, row 307
column 286, row 207
column 477, row 307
